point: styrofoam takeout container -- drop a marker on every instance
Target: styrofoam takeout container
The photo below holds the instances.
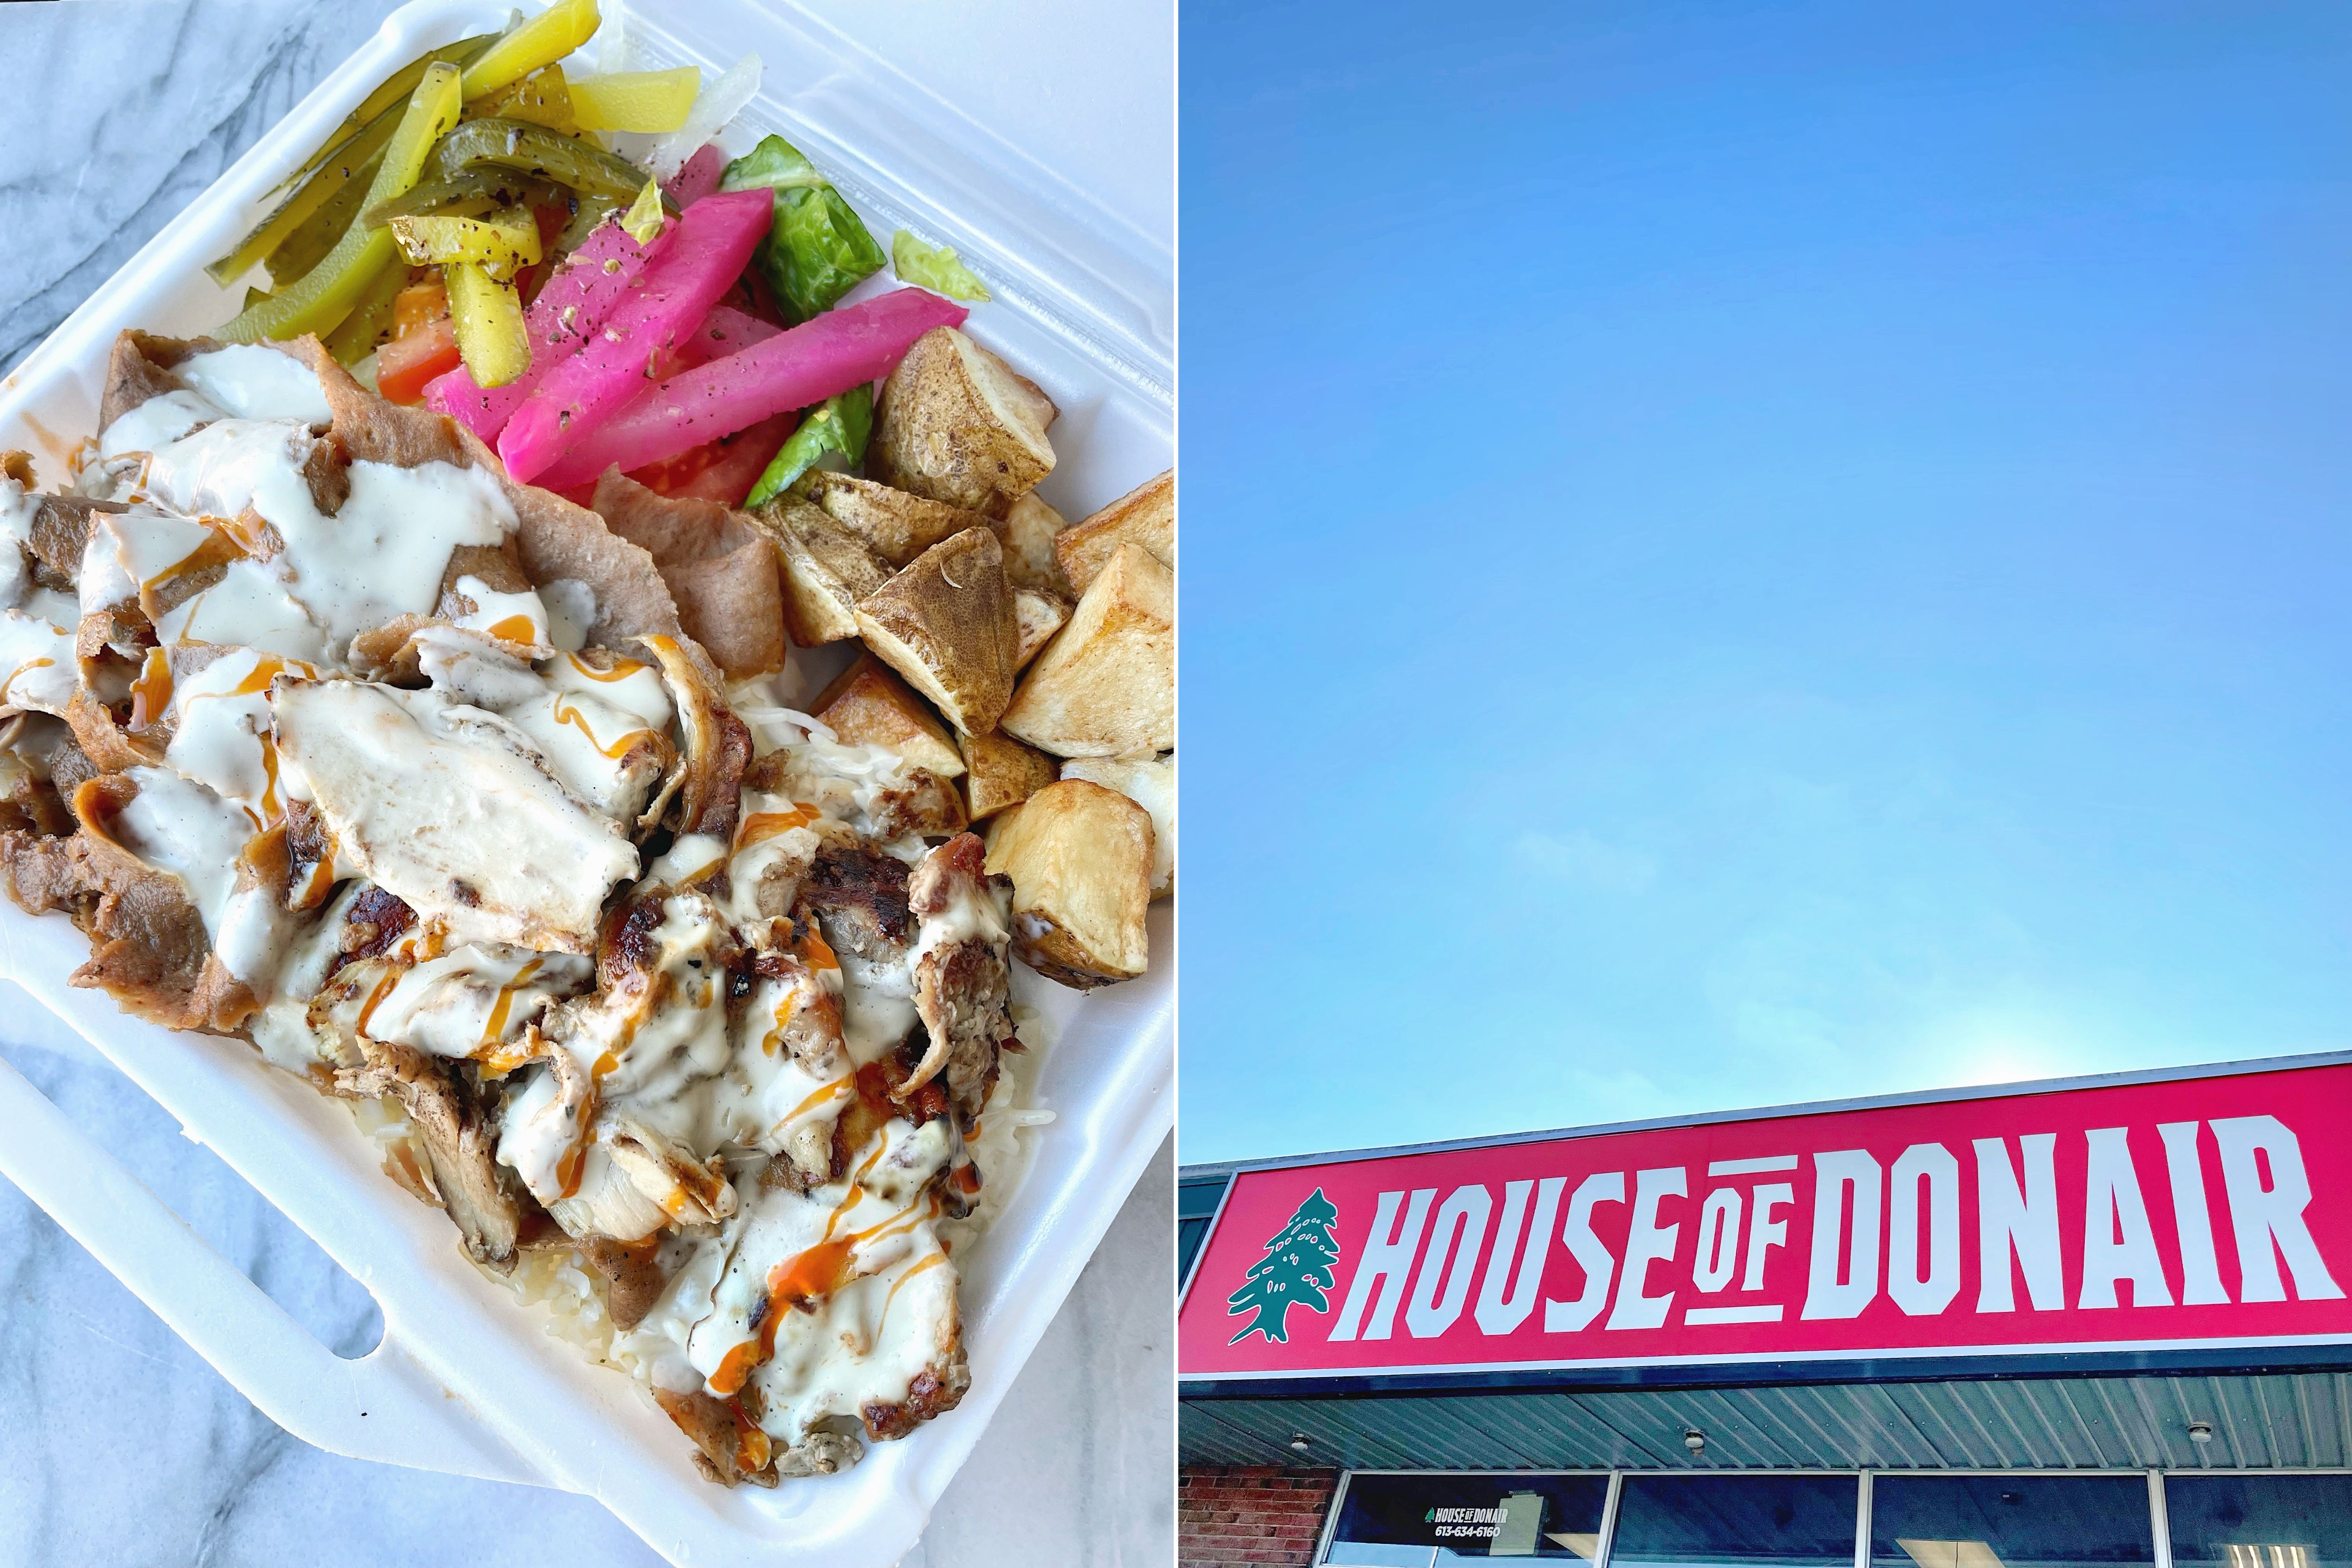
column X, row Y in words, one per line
column 463, row 1380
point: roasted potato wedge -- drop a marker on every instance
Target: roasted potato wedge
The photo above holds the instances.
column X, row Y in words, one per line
column 1107, row 687
column 1151, row 783
column 956, row 424
column 1028, row 531
column 897, row 526
column 1145, row 515
column 827, row 570
column 1080, row 860
column 866, row 705
column 1004, row 773
column 1036, row 618
column 946, row 624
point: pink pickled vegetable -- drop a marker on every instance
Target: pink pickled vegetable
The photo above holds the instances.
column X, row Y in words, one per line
column 795, row 369
column 724, row 331
column 697, row 263
column 698, row 179
column 573, row 304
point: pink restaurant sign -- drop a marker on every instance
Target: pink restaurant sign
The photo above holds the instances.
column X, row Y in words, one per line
column 2198, row 1212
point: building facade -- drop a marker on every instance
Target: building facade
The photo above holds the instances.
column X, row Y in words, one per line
column 2101, row 1320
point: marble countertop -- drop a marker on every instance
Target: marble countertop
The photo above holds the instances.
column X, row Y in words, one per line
column 118, row 1444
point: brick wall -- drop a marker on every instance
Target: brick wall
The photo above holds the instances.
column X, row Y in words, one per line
column 1265, row 1517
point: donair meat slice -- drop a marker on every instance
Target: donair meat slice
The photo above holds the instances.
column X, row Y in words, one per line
column 148, row 949
column 722, row 575
column 558, row 541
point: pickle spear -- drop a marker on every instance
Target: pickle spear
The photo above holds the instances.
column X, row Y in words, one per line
column 370, row 321
column 389, row 95
column 309, row 244
column 487, row 315
column 535, row 150
column 344, row 160
column 326, row 294
column 501, row 245
column 541, row 41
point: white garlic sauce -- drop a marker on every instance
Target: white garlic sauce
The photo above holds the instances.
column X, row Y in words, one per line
column 498, row 804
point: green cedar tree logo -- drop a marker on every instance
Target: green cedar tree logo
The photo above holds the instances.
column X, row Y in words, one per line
column 1295, row 1271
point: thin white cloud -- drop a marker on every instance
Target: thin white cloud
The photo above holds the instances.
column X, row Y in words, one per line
column 1582, row 860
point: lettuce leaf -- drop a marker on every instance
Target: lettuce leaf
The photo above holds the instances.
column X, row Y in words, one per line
column 832, row 436
column 818, row 249
column 933, row 267
column 775, row 163
column 643, row 221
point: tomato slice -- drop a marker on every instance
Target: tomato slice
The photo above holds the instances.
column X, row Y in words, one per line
column 423, row 343
column 405, row 366
column 723, row 470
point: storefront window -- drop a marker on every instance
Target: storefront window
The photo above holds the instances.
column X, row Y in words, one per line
column 1795, row 1520
column 2259, row 1522
column 1738, row 1521
column 2008, row 1521
column 1416, row 1521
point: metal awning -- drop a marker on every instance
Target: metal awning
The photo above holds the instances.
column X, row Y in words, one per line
column 2299, row 1420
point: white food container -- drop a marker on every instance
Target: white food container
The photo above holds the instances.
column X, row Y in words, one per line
column 463, row 1380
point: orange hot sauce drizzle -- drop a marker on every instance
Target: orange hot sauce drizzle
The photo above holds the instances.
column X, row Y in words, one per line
column 622, row 669
column 931, row 1262
column 785, row 1009
column 814, row 951
column 497, row 1061
column 752, row 1447
column 219, row 548
column 272, row 806
column 569, row 713
column 265, row 670
column 375, row 999
column 571, row 1165
column 37, row 664
column 906, row 1219
column 568, row 1166
column 151, row 694
column 833, row 1090
column 762, row 826
column 240, row 534
column 805, row 1276
column 496, row 1029
column 321, row 878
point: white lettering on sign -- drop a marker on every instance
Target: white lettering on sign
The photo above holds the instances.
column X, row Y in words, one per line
column 1591, row 1254
column 1924, row 1292
column 1764, row 1232
column 1388, row 1258
column 2022, row 1220
column 1718, row 1241
column 1499, row 1313
column 2268, row 1216
column 2118, row 1245
column 1844, row 1277
column 1648, row 1244
column 2201, row 1271
column 1455, row 1240
column 1901, row 1227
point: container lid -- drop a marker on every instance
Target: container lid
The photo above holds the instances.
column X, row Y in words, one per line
column 1044, row 152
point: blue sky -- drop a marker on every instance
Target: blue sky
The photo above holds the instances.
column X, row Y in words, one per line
column 1740, row 553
